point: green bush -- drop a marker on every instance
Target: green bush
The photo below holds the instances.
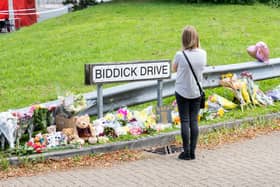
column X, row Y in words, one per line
column 241, row 2
column 264, row 1
column 274, row 3
column 81, row 4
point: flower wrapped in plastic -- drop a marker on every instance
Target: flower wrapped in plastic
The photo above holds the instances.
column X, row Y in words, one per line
column 214, row 108
column 216, row 101
column 111, row 121
column 72, row 104
column 231, row 82
column 175, row 118
column 8, row 126
column 145, row 118
column 122, row 114
column 256, row 95
column 274, row 93
column 123, row 130
column 25, row 125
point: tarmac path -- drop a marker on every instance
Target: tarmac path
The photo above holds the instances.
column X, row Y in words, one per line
column 254, row 162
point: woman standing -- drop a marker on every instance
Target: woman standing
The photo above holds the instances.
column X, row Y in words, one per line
column 186, row 89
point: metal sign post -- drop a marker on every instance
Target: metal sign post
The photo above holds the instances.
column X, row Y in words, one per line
column 159, row 93
column 99, row 100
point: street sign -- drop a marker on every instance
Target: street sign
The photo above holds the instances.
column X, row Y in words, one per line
column 133, row 71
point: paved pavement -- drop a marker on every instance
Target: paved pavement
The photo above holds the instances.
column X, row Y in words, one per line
column 253, row 162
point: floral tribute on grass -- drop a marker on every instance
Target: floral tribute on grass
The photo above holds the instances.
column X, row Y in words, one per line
column 246, row 94
column 127, row 122
column 60, row 127
column 65, row 126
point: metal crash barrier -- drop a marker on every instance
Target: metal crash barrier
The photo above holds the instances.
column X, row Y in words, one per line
column 143, row 91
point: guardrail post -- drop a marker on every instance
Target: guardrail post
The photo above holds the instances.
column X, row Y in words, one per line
column 99, row 100
column 159, row 93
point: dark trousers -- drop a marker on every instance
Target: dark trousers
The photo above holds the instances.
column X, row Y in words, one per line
column 188, row 112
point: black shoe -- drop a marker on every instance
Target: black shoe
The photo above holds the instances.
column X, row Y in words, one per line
column 184, row 156
column 192, row 156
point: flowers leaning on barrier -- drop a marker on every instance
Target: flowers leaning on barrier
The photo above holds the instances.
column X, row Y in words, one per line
column 246, row 92
column 256, row 95
column 123, row 124
column 125, row 121
column 213, row 109
column 231, row 82
column 14, row 124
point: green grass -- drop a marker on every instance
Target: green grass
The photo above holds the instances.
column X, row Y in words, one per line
column 41, row 61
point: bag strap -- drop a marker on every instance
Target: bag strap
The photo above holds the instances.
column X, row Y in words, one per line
column 200, row 89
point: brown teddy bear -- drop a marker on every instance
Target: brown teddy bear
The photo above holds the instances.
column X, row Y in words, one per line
column 84, row 130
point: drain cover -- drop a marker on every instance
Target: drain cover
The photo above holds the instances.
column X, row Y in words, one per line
column 165, row 150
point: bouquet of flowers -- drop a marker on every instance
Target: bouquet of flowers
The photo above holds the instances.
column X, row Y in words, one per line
column 256, row 95
column 74, row 103
column 122, row 116
column 245, row 90
column 231, row 82
column 221, row 101
column 8, row 127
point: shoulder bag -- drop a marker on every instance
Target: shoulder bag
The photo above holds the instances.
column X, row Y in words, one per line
column 202, row 93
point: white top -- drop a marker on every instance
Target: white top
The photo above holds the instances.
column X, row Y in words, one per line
column 185, row 84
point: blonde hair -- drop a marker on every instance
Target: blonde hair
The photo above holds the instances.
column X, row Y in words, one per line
column 190, row 38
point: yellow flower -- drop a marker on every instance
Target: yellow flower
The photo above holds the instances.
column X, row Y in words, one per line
column 109, row 117
column 119, row 116
column 129, row 116
column 176, row 120
column 220, row 112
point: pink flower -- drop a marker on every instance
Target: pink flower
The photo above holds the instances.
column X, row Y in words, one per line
column 135, row 131
column 32, row 109
column 122, row 111
column 29, row 144
column 17, row 114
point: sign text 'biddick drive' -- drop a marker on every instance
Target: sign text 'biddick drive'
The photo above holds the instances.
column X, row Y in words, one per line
column 146, row 70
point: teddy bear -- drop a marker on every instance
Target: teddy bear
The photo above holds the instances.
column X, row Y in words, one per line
column 84, row 130
column 69, row 133
column 71, row 137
